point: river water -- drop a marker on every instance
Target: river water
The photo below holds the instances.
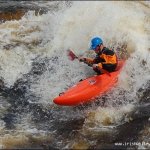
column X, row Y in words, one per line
column 34, row 68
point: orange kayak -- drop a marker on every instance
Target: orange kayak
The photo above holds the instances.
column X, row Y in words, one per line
column 86, row 90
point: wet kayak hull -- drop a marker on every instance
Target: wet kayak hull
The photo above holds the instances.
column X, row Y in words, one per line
column 89, row 88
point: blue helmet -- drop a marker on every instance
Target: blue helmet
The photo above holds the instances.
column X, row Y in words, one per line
column 95, row 42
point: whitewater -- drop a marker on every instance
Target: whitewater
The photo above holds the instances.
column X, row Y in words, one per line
column 34, row 69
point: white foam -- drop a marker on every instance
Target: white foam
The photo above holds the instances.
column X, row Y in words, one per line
column 124, row 25
column 116, row 22
column 113, row 115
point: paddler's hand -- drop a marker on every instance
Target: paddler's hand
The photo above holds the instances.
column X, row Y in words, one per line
column 82, row 59
column 95, row 66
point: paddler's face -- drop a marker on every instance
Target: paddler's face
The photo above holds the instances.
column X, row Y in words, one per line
column 98, row 49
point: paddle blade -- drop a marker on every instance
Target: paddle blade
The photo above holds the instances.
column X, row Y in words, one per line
column 71, row 55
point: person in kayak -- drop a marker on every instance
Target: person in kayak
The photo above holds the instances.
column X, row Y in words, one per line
column 105, row 59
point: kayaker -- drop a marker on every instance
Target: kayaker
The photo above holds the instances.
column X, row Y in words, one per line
column 105, row 59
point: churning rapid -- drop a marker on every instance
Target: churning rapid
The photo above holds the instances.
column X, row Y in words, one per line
column 34, row 68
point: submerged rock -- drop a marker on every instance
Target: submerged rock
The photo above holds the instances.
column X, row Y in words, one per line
column 15, row 10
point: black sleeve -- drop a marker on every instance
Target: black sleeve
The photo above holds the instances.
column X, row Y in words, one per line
column 98, row 59
column 108, row 52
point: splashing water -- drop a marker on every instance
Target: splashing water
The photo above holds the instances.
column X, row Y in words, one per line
column 34, row 63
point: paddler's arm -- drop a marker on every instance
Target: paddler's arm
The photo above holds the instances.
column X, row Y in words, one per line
column 88, row 61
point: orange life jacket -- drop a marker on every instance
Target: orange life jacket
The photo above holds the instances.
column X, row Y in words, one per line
column 104, row 58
